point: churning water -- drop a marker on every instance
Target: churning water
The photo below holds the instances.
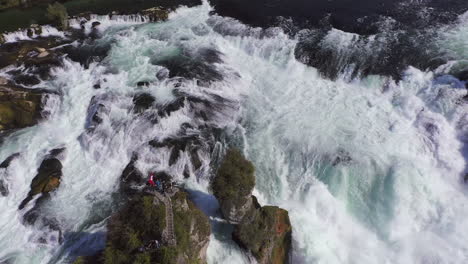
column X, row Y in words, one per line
column 370, row 168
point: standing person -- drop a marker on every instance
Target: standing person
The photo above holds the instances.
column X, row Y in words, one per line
column 151, row 181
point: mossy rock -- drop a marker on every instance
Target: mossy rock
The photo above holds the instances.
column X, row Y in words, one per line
column 233, row 185
column 266, row 233
column 141, row 221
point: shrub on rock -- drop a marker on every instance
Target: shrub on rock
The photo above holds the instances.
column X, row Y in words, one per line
column 233, row 185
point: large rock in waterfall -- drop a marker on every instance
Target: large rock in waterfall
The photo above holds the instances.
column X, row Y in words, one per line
column 141, row 232
column 233, row 186
column 47, row 179
column 19, row 107
column 264, row 232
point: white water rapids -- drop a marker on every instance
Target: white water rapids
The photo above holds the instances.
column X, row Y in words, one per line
column 369, row 169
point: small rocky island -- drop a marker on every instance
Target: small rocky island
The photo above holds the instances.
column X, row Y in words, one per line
column 265, row 232
column 155, row 226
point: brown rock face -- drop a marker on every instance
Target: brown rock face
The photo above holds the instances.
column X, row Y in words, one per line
column 265, row 232
column 47, row 179
column 19, row 107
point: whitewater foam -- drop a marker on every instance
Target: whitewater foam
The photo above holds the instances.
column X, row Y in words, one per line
column 368, row 168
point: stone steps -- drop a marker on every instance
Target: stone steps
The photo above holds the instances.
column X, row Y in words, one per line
column 168, row 233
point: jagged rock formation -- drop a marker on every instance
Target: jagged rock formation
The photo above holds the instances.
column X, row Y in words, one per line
column 19, row 107
column 47, row 179
column 265, row 232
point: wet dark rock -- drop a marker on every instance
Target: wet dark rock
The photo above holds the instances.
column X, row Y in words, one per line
column 58, row 153
column 26, row 79
column 95, row 24
column 48, row 227
column 462, row 76
column 97, row 86
column 19, row 107
column 142, row 102
column 162, row 74
column 131, row 177
column 87, row 53
column 47, row 179
column 6, row 163
column 4, row 190
column 143, row 84
column 173, row 106
column 193, row 64
column 178, row 145
column 342, row 157
column 96, row 111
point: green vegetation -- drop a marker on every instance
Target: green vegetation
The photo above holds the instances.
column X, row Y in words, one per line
column 4, row 4
column 79, row 260
column 134, row 226
column 57, row 13
column 142, row 221
column 183, row 225
column 235, row 179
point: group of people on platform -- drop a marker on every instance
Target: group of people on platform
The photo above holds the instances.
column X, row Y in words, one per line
column 160, row 185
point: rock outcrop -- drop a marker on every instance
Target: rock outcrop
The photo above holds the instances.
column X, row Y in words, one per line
column 138, row 232
column 47, row 179
column 233, row 186
column 265, row 232
column 19, row 107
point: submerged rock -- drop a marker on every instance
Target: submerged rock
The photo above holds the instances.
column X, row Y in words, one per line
column 19, row 107
column 143, row 102
column 4, row 189
column 265, row 232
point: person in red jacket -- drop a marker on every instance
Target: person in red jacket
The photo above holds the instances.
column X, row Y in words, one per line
column 151, row 181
